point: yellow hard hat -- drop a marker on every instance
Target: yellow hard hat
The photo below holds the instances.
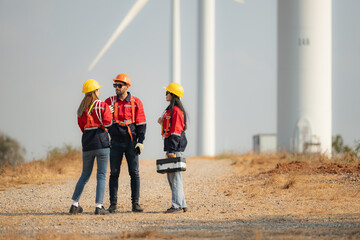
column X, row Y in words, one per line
column 175, row 88
column 91, row 85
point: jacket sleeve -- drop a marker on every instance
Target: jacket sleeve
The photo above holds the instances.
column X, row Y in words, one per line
column 81, row 122
column 108, row 101
column 107, row 116
column 140, row 121
column 140, row 133
column 173, row 143
column 177, row 122
column 139, row 112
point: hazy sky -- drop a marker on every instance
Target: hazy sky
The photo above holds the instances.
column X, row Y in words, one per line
column 47, row 46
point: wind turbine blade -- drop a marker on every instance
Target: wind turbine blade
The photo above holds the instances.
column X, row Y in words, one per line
column 126, row 21
column 240, row 1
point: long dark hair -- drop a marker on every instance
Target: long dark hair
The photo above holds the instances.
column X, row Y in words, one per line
column 175, row 101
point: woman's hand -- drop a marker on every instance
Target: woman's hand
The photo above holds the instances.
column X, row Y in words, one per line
column 171, row 155
column 160, row 120
column 112, row 109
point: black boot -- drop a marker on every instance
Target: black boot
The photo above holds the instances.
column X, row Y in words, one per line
column 136, row 208
column 112, row 207
column 75, row 210
column 174, row 210
column 100, row 211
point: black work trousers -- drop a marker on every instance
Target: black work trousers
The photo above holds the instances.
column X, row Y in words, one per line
column 117, row 151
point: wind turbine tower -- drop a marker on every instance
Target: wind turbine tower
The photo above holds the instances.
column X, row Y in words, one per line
column 206, row 95
column 176, row 43
column 304, row 76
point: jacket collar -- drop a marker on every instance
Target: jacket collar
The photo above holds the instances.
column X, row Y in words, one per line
column 127, row 99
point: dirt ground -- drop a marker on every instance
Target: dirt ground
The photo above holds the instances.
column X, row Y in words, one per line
column 247, row 197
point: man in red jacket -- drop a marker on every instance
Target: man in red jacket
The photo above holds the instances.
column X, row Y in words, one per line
column 127, row 136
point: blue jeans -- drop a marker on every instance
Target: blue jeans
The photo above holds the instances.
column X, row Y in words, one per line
column 117, row 151
column 102, row 159
column 176, row 186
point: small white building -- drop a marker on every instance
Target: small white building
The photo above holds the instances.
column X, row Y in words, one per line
column 265, row 143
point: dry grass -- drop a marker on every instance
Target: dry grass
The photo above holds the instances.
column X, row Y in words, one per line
column 296, row 184
column 146, row 234
column 41, row 171
column 281, row 181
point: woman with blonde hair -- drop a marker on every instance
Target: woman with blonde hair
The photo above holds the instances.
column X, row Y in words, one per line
column 94, row 117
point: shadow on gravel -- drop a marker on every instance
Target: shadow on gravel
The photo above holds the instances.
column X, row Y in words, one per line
column 334, row 226
column 273, row 227
column 131, row 212
column 44, row 214
column 66, row 213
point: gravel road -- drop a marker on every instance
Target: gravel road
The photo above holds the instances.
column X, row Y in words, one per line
column 41, row 211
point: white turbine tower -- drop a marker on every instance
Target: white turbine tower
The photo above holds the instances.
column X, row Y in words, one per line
column 206, row 95
column 304, row 76
column 176, row 43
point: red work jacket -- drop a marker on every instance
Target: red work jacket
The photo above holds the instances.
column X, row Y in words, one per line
column 173, row 130
column 173, row 125
column 93, row 124
column 126, row 125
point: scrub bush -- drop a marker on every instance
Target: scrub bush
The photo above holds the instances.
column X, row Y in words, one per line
column 11, row 153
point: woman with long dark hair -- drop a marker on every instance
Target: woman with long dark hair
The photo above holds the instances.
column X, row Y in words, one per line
column 174, row 124
column 94, row 116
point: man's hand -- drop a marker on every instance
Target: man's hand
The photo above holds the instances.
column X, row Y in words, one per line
column 138, row 148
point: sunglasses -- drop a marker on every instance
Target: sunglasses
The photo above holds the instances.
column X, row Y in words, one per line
column 118, row 85
column 167, row 92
